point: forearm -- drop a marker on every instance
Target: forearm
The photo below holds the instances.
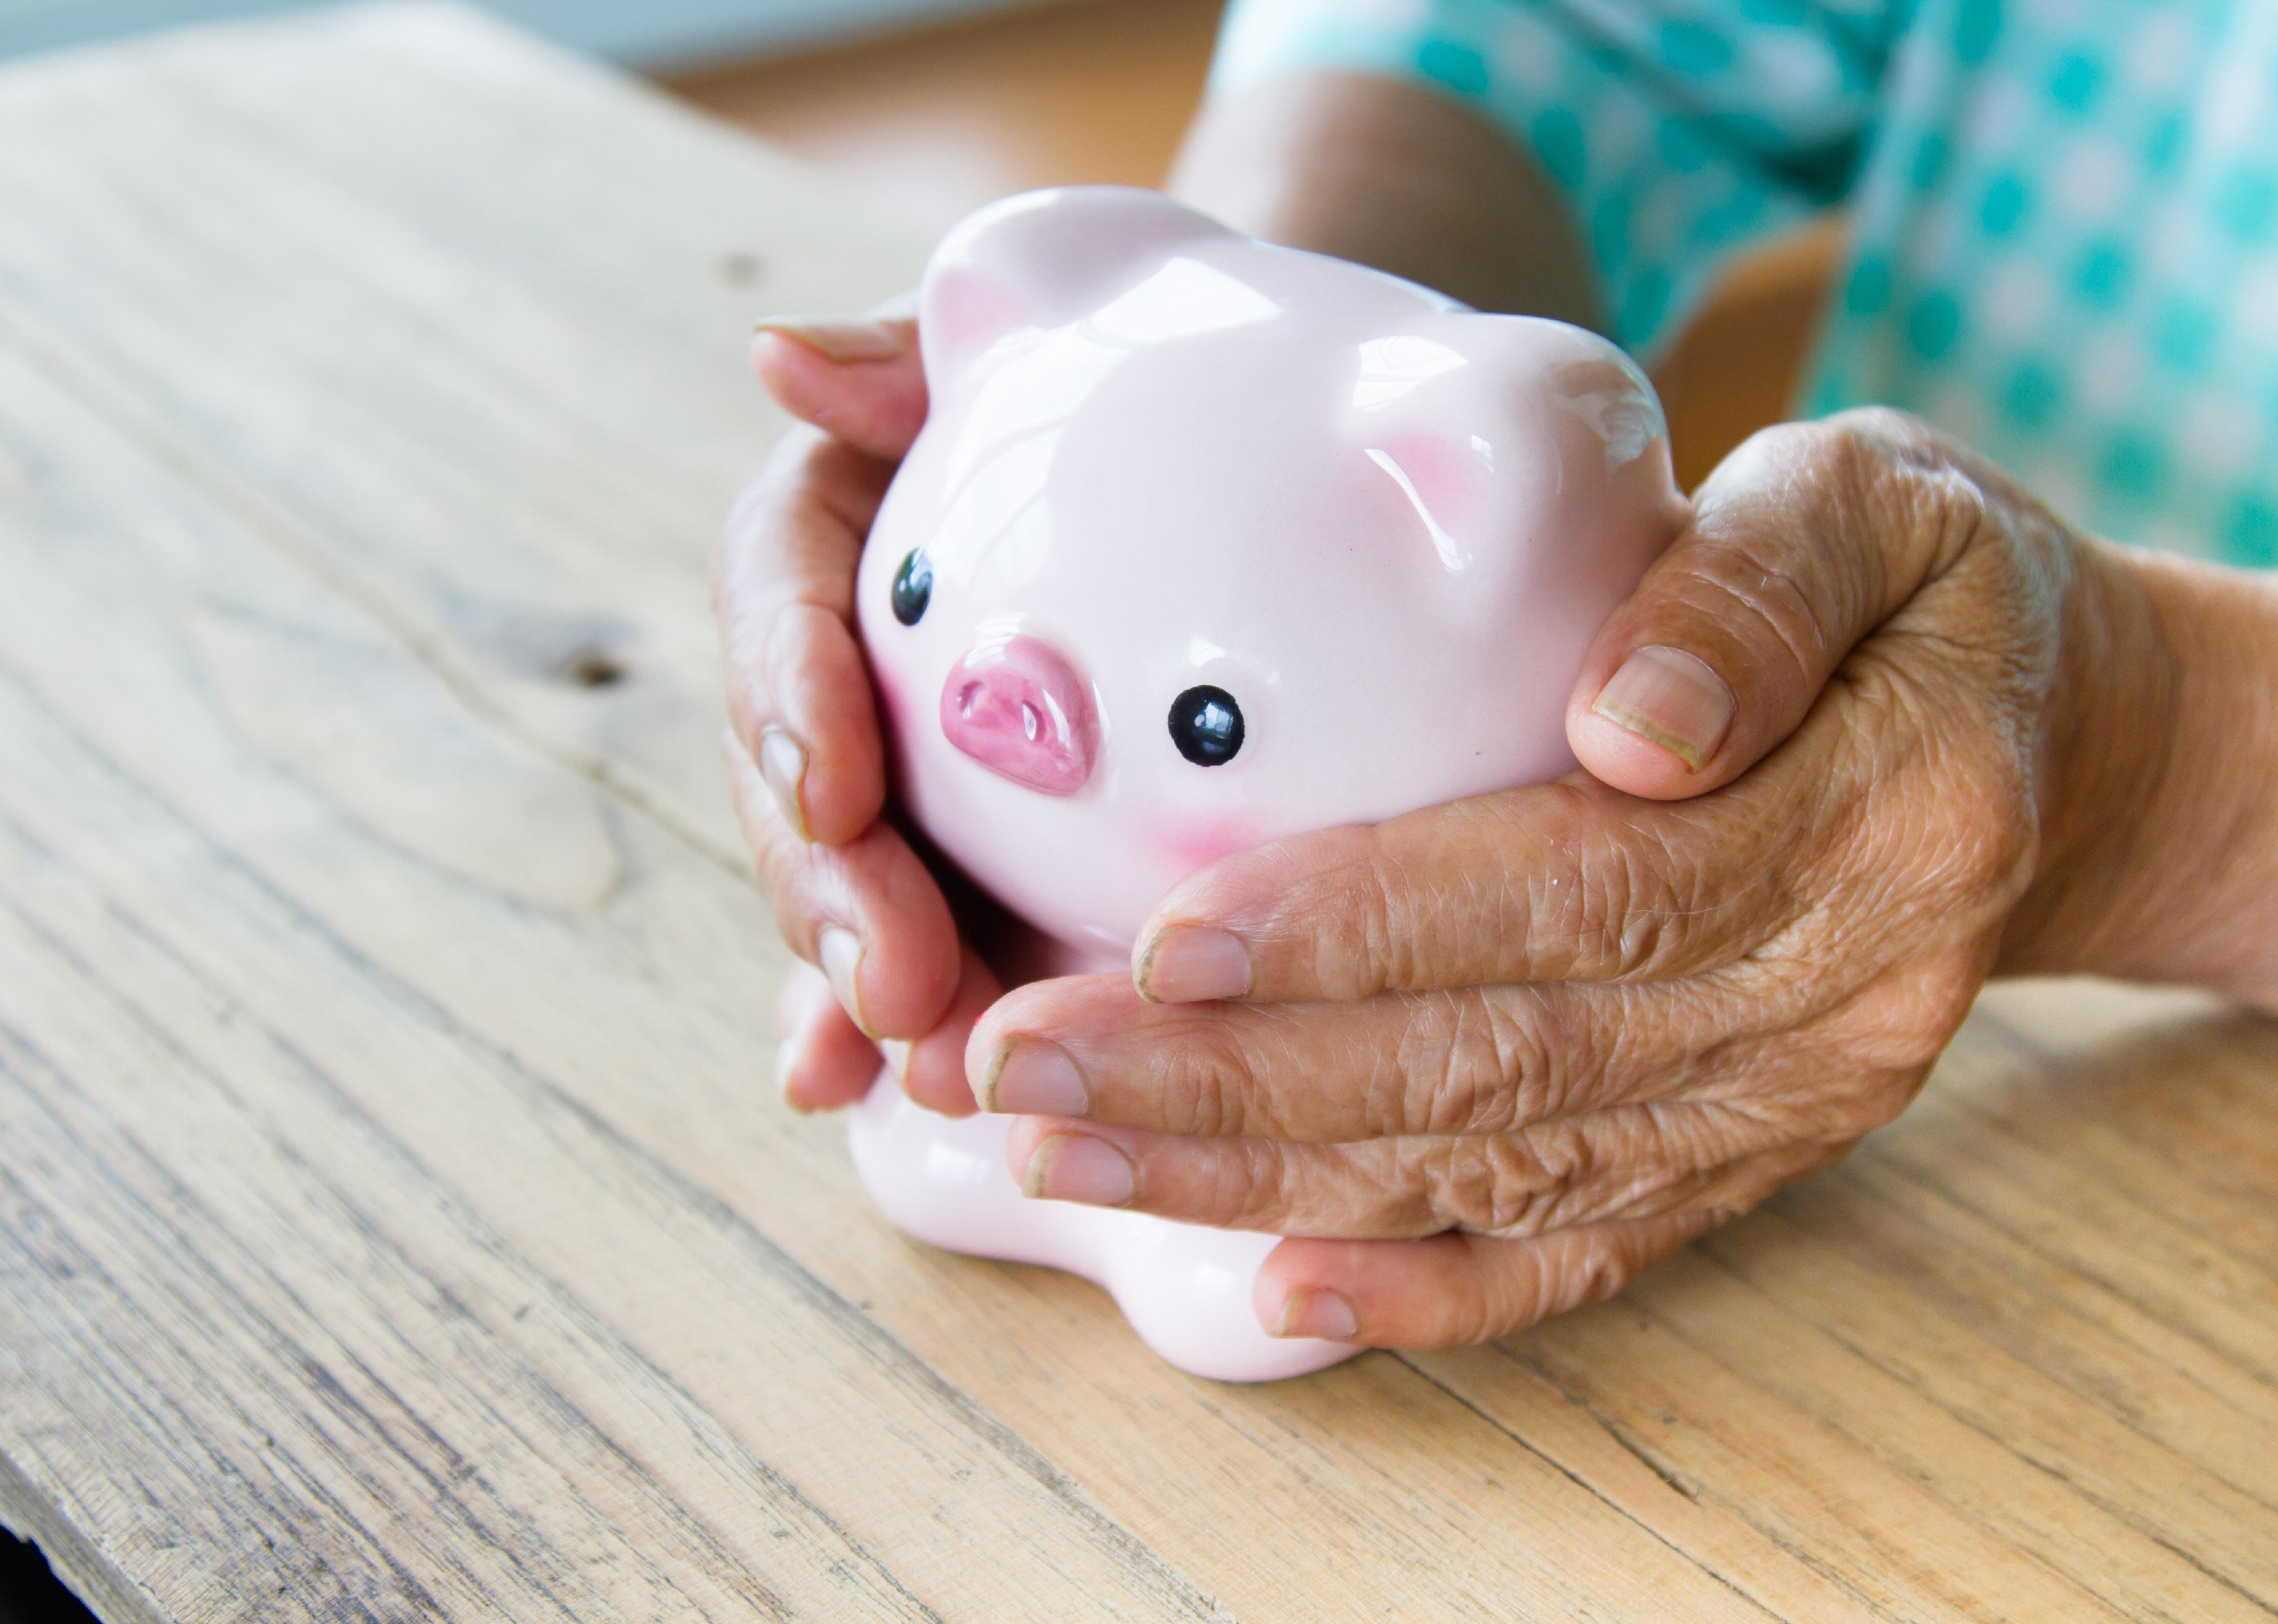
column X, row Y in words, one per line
column 1392, row 175
column 2164, row 867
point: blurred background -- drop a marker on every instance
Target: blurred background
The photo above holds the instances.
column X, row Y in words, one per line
column 935, row 111
column 935, row 118
column 935, row 106
column 930, row 108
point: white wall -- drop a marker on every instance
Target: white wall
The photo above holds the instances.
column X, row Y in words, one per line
column 644, row 33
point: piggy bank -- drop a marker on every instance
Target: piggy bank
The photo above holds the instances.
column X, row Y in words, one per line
column 1206, row 543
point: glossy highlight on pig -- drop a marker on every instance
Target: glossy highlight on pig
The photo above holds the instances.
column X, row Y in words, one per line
column 1219, row 541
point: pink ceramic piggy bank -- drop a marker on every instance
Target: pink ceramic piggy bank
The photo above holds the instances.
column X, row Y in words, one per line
column 1207, row 543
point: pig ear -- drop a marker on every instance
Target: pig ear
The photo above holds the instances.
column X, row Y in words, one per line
column 1041, row 259
column 1474, row 417
column 1416, row 408
column 1446, row 478
column 1588, row 380
column 1608, row 391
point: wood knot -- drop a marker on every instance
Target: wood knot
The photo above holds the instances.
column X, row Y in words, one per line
column 594, row 668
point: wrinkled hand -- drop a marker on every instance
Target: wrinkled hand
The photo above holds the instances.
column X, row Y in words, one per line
column 1510, row 1051
column 1515, row 1049
column 805, row 756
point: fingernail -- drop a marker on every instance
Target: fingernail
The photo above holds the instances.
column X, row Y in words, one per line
column 840, row 950
column 1075, row 1167
column 842, row 339
column 1028, row 1076
column 896, row 1054
column 1316, row 1311
column 782, row 763
column 1193, row 963
column 786, row 1057
column 1671, row 698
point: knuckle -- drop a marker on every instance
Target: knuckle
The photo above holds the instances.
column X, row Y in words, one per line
column 798, row 456
column 1902, row 1024
column 1602, row 926
column 1632, row 907
column 1597, row 1266
column 1366, row 888
column 1316, row 1190
column 1992, row 833
column 1779, row 601
column 1876, row 1101
column 1506, row 1184
column 1903, row 477
column 1237, row 1184
column 756, row 812
column 1560, row 1274
column 1204, row 1077
column 737, row 530
column 1254, row 1184
column 804, row 886
column 1931, row 805
column 1853, row 1096
column 787, row 880
column 1861, row 478
column 1747, row 1184
column 1466, row 1060
column 1391, row 919
column 1881, row 431
column 1503, row 1297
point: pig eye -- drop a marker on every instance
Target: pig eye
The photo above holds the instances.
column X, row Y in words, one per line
column 912, row 588
column 1206, row 726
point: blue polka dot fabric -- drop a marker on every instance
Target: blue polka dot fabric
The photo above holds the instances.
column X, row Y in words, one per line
column 2064, row 239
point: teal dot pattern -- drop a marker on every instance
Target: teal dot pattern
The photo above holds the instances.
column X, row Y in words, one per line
column 2064, row 238
column 1677, row 130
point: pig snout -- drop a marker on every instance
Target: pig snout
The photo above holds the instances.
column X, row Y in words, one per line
column 1022, row 709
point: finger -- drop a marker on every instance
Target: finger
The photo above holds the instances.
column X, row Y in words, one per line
column 868, row 912
column 858, row 379
column 1630, row 1162
column 1561, row 882
column 932, row 1068
column 822, row 1060
column 1804, row 540
column 1473, row 1061
column 1452, row 1290
column 799, row 693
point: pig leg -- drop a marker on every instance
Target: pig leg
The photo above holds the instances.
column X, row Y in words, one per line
column 1184, row 1288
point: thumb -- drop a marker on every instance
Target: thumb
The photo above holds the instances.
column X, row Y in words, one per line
column 858, row 378
column 1803, row 541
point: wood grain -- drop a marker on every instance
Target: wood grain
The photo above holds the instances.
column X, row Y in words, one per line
column 394, row 1218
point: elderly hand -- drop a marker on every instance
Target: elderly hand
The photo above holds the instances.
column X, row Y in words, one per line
column 1509, row 1052
column 805, row 756
column 1877, row 725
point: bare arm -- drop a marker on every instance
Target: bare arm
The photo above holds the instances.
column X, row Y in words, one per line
column 2163, row 864
column 1394, row 176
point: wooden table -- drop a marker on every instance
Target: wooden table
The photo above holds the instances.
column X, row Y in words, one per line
column 396, row 1221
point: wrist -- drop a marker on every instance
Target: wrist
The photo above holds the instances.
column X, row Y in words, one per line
column 2160, row 848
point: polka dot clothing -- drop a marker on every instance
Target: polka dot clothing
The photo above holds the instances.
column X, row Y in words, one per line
column 2065, row 212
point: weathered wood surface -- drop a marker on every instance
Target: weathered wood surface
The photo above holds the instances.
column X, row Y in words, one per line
column 395, row 1219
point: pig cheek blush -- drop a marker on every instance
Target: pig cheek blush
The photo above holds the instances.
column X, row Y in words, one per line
column 1198, row 845
column 1167, row 470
